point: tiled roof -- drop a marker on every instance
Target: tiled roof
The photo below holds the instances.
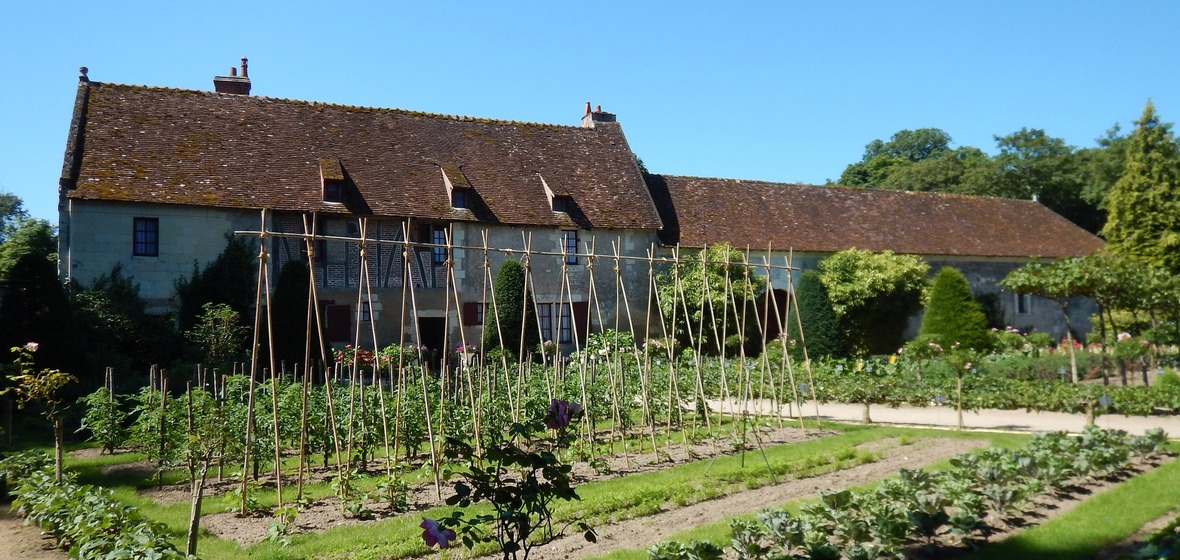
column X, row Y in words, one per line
column 146, row 144
column 699, row 211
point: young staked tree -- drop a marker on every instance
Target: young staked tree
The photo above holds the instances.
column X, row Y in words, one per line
column 1143, row 207
column 511, row 322
column 821, row 328
column 953, row 316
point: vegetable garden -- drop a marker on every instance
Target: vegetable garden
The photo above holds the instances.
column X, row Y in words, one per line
column 483, row 451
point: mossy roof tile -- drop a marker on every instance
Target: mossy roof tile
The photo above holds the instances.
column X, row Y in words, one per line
column 806, row 218
column 147, row 144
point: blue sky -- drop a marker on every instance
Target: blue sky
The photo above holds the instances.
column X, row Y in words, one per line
column 777, row 91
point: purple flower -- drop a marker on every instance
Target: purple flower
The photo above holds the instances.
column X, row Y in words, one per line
column 559, row 413
column 433, row 534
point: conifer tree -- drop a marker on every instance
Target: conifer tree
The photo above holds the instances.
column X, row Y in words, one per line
column 1143, row 207
column 821, row 329
column 953, row 315
column 513, row 308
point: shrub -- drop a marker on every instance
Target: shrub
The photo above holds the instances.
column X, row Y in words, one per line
column 953, row 315
column 821, row 329
column 513, row 316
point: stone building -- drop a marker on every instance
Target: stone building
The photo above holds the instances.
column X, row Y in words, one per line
column 154, row 179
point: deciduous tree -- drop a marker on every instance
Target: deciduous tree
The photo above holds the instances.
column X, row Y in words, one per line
column 874, row 295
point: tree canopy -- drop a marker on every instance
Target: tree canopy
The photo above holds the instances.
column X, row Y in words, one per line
column 709, row 300
column 821, row 331
column 874, row 295
column 1144, row 205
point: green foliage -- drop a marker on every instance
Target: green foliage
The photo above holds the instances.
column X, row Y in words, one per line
column 88, row 521
column 1144, row 205
column 917, row 507
column 821, row 329
column 874, row 295
column 115, row 328
column 953, row 316
column 1029, row 163
column 104, row 419
column 521, row 477
column 219, row 334
column 26, row 237
column 511, row 320
column 35, row 307
column 231, row 278
column 708, row 300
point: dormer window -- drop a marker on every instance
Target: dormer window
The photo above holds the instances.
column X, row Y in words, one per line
column 459, row 189
column 559, row 198
column 561, row 203
column 332, row 178
column 333, row 191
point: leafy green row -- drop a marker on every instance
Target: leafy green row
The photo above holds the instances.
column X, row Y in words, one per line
column 86, row 520
column 920, row 508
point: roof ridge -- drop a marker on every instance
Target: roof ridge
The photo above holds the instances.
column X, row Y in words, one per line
column 848, row 188
column 351, row 108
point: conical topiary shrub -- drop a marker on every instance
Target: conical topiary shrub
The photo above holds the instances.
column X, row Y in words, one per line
column 953, row 315
column 821, row 328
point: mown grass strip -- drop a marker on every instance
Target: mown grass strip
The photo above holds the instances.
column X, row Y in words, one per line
column 1098, row 523
column 627, row 497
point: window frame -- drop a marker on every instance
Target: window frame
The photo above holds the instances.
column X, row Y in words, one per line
column 438, row 236
column 565, row 324
column 366, row 312
column 1023, row 304
column 459, row 198
column 571, row 252
column 545, row 321
column 145, row 241
column 334, row 191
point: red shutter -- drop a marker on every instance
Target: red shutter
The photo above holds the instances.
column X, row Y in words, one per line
column 339, row 319
column 581, row 311
column 470, row 313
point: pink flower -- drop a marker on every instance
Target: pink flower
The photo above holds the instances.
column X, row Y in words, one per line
column 433, row 534
column 32, row 346
column 1124, row 336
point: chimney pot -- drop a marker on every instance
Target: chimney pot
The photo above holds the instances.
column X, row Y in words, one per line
column 598, row 109
column 587, row 109
column 233, row 83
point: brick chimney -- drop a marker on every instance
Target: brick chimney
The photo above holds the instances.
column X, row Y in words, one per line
column 596, row 116
column 233, row 83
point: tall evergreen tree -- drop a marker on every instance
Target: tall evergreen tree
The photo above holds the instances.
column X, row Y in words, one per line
column 514, row 309
column 821, row 329
column 289, row 314
column 1143, row 207
column 953, row 315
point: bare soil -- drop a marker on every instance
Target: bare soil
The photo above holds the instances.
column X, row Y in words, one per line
column 327, row 513
column 25, row 542
column 644, row 531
